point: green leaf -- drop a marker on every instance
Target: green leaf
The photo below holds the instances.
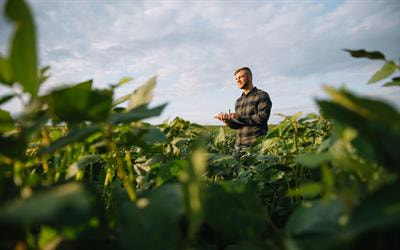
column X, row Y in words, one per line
column 6, row 98
column 308, row 190
column 191, row 179
column 77, row 134
column 121, row 100
column 387, row 70
column 142, row 95
column 395, row 82
column 379, row 210
column 273, row 133
column 296, row 116
column 136, row 114
column 247, row 246
column 129, row 137
column 124, row 80
column 6, row 121
column 154, row 135
column 152, row 223
column 70, row 103
column 42, row 76
column 314, row 160
column 234, row 212
column 5, row 71
column 23, row 59
column 318, row 217
column 80, row 103
column 13, row 146
column 363, row 53
column 68, row 204
column 48, row 237
column 84, row 161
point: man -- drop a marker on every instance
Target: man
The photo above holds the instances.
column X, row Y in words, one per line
column 252, row 111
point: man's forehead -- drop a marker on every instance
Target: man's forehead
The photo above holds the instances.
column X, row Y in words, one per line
column 241, row 72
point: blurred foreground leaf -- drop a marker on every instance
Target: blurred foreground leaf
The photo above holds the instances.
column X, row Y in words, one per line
column 376, row 121
column 387, row 70
column 315, row 218
column 12, row 146
column 308, row 190
column 23, row 59
column 314, row 160
column 67, row 204
column 234, row 212
column 6, row 98
column 136, row 114
column 80, row 103
column 379, row 210
column 395, row 82
column 6, row 121
column 366, row 54
column 142, row 95
column 5, row 71
column 152, row 223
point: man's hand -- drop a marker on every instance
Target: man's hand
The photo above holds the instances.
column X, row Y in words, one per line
column 226, row 117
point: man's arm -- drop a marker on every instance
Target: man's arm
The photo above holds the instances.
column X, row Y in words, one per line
column 262, row 115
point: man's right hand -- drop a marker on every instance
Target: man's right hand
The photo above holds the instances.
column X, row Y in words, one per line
column 226, row 117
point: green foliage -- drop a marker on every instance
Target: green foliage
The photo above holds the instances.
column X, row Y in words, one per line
column 104, row 179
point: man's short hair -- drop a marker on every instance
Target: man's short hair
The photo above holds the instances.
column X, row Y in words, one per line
column 247, row 69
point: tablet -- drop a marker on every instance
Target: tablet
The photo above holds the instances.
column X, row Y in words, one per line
column 237, row 122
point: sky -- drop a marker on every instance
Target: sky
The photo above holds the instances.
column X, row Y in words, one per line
column 294, row 48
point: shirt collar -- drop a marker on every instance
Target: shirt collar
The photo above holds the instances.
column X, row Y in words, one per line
column 252, row 90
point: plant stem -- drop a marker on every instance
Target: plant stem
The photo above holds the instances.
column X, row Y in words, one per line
column 128, row 161
column 112, row 147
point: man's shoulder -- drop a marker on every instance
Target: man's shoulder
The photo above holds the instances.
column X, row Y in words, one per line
column 263, row 96
column 261, row 92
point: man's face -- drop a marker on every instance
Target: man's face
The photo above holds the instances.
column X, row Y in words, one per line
column 242, row 79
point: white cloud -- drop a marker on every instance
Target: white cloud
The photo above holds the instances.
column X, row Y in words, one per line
column 194, row 47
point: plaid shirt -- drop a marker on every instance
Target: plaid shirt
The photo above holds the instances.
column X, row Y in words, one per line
column 254, row 110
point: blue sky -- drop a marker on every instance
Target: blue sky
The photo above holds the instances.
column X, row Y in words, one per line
column 193, row 47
